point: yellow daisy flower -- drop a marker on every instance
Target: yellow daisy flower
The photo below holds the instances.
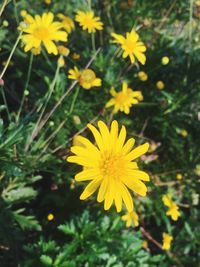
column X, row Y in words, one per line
column 173, row 210
column 86, row 78
column 184, row 133
column 50, row 217
column 131, row 218
column 88, row 21
column 165, row 60
column 179, row 176
column 41, row 30
column 160, row 85
column 66, row 22
column 167, row 239
column 131, row 45
column 109, row 165
column 125, row 99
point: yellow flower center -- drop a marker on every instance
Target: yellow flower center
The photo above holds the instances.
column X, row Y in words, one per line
column 87, row 76
column 130, row 45
column 111, row 165
column 41, row 33
column 122, row 98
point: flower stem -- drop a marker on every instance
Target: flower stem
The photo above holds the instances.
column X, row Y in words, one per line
column 93, row 42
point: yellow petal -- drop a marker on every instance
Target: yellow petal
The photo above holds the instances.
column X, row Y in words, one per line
column 90, row 188
column 135, row 185
column 137, row 152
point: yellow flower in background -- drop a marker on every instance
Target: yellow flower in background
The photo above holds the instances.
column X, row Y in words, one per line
column 131, row 45
column 165, row 60
column 173, row 210
column 76, row 56
column 50, row 217
column 142, row 76
column 124, row 100
column 197, row 2
column 179, row 176
column 183, row 133
column 41, row 30
column 167, row 239
column 160, row 85
column 23, row 13
column 88, row 21
column 66, row 22
column 145, row 244
column 47, row 2
column 36, row 51
column 61, row 62
column 86, row 78
column 109, row 165
column 131, row 218
column 62, row 50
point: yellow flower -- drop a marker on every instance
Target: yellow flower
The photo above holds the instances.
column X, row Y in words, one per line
column 184, row 133
column 23, row 13
column 109, row 165
column 132, row 46
column 160, row 85
column 125, row 99
column 179, row 176
column 145, row 244
column 62, row 50
column 47, row 2
column 36, row 51
column 86, row 78
column 142, row 76
column 42, row 30
column 197, row 2
column 167, row 239
column 50, row 217
column 61, row 62
column 66, row 22
column 173, row 210
column 131, row 218
column 88, row 21
column 76, row 56
column 165, row 60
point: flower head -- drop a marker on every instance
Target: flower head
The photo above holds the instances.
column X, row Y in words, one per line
column 62, row 50
column 179, row 176
column 142, row 76
column 131, row 218
column 160, row 85
column 165, row 60
column 66, row 22
column 86, row 78
column 184, row 133
column 109, row 165
column 88, row 21
column 167, row 239
column 124, row 99
column 50, row 217
column 173, row 210
column 132, row 46
column 41, row 30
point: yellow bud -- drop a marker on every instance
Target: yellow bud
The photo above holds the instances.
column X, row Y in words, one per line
column 50, row 217
column 184, row 133
column 64, row 51
column 179, row 176
column 160, row 85
column 36, row 51
column 23, row 13
column 142, row 76
column 48, row 2
column 165, row 60
column 76, row 56
column 5, row 23
column 61, row 62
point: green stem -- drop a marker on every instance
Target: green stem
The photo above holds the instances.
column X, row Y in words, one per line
column 3, row 7
column 93, row 42
column 10, row 56
column 26, row 86
column 74, row 100
column 5, row 102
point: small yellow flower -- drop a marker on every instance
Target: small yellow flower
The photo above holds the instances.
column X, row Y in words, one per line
column 88, row 21
column 197, row 2
column 179, row 176
column 23, row 13
column 165, row 60
column 47, row 2
column 173, row 210
column 125, row 99
column 61, row 62
column 86, row 78
column 145, row 244
column 50, row 217
column 167, row 239
column 41, row 30
column 184, row 133
column 131, row 218
column 142, row 76
column 5, row 23
column 62, row 50
column 76, row 56
column 160, row 85
column 131, row 45
column 66, row 22
column 109, row 165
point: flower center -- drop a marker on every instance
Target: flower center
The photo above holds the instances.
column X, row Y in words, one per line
column 111, row 165
column 121, row 98
column 87, row 76
column 41, row 33
column 130, row 45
